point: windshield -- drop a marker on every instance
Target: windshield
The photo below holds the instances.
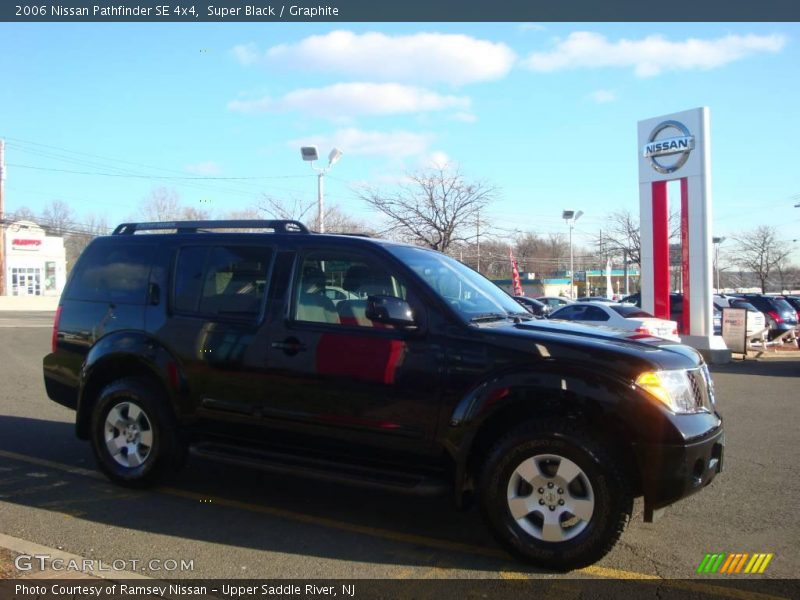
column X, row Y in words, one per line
column 472, row 295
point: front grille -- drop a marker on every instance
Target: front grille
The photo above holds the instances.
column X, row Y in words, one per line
column 702, row 388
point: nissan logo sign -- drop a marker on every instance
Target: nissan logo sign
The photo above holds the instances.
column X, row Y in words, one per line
column 679, row 146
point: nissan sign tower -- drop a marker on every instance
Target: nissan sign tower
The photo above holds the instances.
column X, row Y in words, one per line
column 676, row 148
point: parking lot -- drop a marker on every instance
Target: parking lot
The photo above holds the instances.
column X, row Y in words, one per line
column 232, row 522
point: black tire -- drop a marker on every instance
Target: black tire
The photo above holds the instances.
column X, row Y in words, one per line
column 547, row 444
column 157, row 453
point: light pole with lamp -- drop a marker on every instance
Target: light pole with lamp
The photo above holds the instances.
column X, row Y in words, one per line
column 717, row 241
column 309, row 153
column 570, row 216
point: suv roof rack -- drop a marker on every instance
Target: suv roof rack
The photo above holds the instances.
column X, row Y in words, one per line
column 279, row 226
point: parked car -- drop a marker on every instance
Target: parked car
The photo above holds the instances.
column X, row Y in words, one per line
column 675, row 306
column 756, row 321
column 554, row 302
column 781, row 317
column 433, row 380
column 676, row 310
column 794, row 301
column 619, row 316
column 533, row 306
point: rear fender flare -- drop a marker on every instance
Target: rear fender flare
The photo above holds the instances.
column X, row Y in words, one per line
column 125, row 353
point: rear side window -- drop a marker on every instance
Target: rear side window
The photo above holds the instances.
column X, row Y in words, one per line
column 222, row 281
column 112, row 273
column 631, row 311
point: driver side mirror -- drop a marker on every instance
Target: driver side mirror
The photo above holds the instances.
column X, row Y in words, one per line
column 390, row 311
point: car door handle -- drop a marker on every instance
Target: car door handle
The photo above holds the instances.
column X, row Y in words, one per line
column 290, row 346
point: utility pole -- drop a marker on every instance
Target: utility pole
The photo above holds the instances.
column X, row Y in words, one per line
column 625, row 260
column 2, row 218
column 478, row 239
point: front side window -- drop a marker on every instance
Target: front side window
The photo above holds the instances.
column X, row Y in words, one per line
column 333, row 288
column 472, row 295
column 222, row 281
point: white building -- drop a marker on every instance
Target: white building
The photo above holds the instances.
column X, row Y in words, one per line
column 36, row 264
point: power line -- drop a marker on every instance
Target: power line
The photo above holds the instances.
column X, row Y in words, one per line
column 160, row 177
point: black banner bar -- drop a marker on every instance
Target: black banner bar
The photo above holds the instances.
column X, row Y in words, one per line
column 399, row 10
column 734, row 588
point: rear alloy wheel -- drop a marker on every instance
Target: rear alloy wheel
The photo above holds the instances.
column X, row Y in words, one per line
column 128, row 434
column 553, row 495
column 134, row 437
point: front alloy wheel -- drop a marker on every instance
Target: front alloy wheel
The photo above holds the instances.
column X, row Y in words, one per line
column 550, row 497
column 555, row 495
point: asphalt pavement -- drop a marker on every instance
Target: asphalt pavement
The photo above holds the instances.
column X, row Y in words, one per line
column 232, row 522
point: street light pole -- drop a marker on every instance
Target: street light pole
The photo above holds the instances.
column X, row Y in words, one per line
column 309, row 153
column 717, row 241
column 321, row 200
column 570, row 216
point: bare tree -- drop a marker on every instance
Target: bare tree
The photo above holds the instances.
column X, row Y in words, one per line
column 163, row 204
column 57, row 218
column 761, row 252
column 80, row 236
column 292, row 209
column 437, row 208
column 336, row 220
column 621, row 234
column 21, row 214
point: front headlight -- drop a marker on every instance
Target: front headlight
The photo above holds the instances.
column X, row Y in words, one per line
column 672, row 388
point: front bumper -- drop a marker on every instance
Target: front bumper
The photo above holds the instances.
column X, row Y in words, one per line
column 670, row 472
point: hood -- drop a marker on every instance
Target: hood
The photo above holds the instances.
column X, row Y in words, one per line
column 571, row 341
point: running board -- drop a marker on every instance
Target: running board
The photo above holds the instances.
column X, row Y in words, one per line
column 408, row 482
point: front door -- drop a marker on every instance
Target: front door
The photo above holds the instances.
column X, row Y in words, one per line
column 333, row 372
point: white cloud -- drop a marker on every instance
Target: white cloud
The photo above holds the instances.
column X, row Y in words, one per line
column 355, row 142
column 352, row 99
column 436, row 160
column 602, row 96
column 204, row 168
column 421, row 57
column 651, row 55
column 465, row 117
column 246, row 54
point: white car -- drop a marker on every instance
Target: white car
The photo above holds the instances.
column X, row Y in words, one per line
column 626, row 317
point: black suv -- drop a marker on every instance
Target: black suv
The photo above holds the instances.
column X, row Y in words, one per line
column 420, row 376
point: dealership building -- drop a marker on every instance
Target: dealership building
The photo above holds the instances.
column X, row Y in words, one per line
column 35, row 263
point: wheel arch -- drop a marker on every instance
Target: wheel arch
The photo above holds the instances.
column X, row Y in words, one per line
column 503, row 403
column 125, row 354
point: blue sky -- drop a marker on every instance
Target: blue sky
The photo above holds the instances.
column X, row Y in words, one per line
column 546, row 112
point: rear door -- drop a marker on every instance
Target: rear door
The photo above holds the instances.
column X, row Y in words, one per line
column 216, row 305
